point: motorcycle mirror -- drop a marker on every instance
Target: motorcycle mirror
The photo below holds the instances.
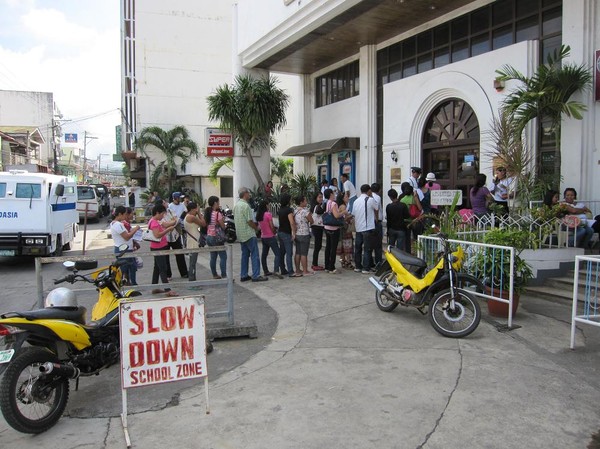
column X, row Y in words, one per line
column 69, row 265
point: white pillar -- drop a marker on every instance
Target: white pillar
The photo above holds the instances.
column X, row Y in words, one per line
column 367, row 156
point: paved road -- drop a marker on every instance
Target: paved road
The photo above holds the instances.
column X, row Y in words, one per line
column 339, row 373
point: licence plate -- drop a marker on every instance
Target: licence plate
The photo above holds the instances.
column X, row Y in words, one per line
column 5, row 356
column 7, row 252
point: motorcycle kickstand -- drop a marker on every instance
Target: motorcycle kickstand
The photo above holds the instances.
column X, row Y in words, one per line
column 423, row 312
column 77, row 384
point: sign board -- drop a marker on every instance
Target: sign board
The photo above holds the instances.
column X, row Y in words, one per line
column 445, row 197
column 218, row 143
column 597, row 75
column 70, row 138
column 162, row 341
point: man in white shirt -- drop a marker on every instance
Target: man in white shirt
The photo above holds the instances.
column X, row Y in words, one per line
column 375, row 191
column 365, row 213
column 413, row 179
column 349, row 190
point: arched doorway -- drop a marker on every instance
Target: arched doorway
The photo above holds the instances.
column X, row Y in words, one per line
column 451, row 146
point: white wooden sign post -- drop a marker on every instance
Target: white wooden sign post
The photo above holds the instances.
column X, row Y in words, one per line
column 161, row 341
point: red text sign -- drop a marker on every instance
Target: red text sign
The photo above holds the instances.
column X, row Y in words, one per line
column 162, row 341
column 219, row 143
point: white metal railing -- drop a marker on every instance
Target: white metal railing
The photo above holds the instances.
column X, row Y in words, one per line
column 588, row 312
column 493, row 258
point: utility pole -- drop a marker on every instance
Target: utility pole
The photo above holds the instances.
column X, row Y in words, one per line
column 85, row 140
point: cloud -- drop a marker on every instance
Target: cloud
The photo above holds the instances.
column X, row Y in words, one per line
column 75, row 54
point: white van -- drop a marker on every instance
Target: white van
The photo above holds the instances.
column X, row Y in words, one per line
column 37, row 213
column 88, row 203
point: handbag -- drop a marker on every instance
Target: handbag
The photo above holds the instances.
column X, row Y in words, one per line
column 149, row 236
column 330, row 220
column 219, row 235
column 414, row 211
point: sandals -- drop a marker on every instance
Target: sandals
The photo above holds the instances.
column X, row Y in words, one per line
column 347, row 265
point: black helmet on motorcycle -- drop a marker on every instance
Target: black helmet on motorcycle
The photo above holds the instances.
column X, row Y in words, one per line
column 61, row 297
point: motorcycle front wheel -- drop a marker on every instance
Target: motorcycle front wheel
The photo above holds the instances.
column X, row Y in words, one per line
column 29, row 402
column 382, row 300
column 458, row 321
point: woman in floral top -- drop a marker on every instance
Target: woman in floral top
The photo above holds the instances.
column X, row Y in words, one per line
column 303, row 219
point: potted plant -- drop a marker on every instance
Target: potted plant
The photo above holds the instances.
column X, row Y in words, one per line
column 493, row 266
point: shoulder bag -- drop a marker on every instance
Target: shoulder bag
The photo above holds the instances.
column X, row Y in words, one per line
column 148, row 236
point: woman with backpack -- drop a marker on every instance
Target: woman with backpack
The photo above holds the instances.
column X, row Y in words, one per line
column 411, row 199
column 215, row 236
column 192, row 223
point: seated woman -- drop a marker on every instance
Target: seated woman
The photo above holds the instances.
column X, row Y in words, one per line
column 584, row 231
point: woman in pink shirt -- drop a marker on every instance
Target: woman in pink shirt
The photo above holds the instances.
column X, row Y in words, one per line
column 269, row 239
column 160, row 232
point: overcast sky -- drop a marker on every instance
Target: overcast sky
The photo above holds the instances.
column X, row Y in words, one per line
column 70, row 48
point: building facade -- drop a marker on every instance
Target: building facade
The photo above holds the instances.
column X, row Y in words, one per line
column 175, row 54
column 391, row 84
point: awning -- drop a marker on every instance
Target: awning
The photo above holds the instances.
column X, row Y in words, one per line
column 324, row 147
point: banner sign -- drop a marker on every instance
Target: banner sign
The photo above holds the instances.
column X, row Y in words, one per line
column 219, row 143
column 597, row 75
column 445, row 197
column 70, row 138
column 162, row 341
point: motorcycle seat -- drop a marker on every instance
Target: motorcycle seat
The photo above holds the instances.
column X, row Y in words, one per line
column 407, row 259
column 75, row 314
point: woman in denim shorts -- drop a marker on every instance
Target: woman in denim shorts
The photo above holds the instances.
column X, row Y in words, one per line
column 303, row 219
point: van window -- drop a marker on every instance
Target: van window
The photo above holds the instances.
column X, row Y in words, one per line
column 69, row 190
column 2, row 189
column 85, row 193
column 27, row 190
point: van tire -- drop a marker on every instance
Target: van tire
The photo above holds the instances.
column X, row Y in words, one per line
column 59, row 246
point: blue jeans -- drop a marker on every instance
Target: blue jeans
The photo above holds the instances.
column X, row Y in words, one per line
column 351, row 203
column 192, row 267
column 270, row 243
column 210, row 241
column 128, row 270
column 250, row 251
column 396, row 238
column 285, row 252
column 362, row 256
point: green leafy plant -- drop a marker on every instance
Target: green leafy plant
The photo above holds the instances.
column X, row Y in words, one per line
column 303, row 184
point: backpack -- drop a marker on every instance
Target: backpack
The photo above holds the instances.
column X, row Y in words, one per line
column 413, row 211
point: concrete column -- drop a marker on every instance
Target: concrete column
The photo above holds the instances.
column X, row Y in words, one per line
column 367, row 156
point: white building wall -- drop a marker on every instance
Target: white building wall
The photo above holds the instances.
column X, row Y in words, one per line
column 24, row 108
column 409, row 102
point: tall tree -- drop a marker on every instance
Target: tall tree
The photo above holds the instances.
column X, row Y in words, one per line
column 252, row 109
column 546, row 94
column 174, row 144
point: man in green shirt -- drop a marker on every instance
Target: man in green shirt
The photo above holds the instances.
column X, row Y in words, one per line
column 245, row 228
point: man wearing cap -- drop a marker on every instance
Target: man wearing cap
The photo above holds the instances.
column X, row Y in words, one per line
column 176, row 209
column 245, row 228
column 413, row 180
column 430, row 178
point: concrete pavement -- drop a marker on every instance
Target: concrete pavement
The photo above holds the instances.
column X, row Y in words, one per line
column 339, row 373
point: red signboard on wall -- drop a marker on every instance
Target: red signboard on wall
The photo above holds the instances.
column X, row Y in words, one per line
column 219, row 143
column 597, row 75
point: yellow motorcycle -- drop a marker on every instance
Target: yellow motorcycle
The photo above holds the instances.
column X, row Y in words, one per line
column 45, row 348
column 403, row 279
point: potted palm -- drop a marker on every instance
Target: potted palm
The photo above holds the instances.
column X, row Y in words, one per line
column 493, row 267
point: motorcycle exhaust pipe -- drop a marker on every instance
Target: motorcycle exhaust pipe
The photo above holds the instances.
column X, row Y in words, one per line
column 376, row 284
column 59, row 369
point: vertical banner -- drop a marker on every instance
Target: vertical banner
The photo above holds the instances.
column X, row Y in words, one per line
column 597, row 75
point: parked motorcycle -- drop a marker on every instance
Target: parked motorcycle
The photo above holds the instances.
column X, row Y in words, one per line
column 403, row 279
column 45, row 348
column 230, row 233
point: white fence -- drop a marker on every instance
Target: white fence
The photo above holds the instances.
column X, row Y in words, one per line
column 483, row 261
column 586, row 304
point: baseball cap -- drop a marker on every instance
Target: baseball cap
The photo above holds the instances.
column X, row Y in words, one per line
column 430, row 177
column 176, row 194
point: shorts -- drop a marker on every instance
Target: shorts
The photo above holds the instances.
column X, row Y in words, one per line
column 302, row 244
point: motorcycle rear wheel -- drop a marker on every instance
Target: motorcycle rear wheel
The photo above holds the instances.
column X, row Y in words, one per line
column 28, row 404
column 456, row 323
column 383, row 302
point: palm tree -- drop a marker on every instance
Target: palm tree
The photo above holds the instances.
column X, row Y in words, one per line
column 546, row 94
column 218, row 165
column 282, row 168
column 175, row 144
column 252, row 109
